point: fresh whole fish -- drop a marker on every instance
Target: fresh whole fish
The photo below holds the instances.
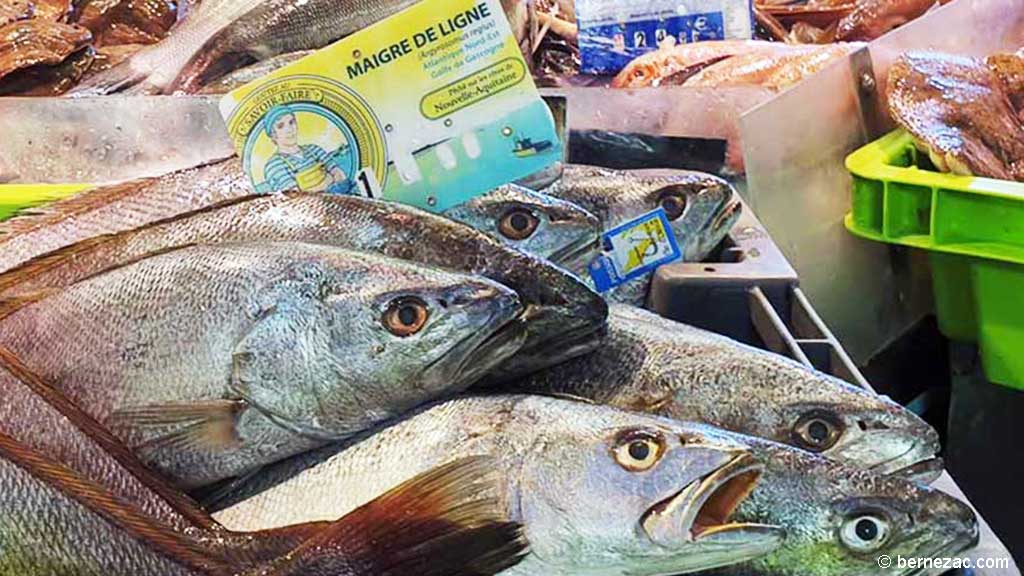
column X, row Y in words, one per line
column 701, row 208
column 773, row 71
column 536, row 223
column 56, row 522
column 563, row 316
column 675, row 64
column 959, row 111
column 871, row 19
column 211, row 361
column 1010, row 70
column 840, row 520
column 651, row 364
column 219, row 34
column 597, row 490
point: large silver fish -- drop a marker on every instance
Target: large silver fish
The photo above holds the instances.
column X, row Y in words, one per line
column 563, row 316
column 598, row 490
column 652, row 364
column 839, row 520
column 701, row 208
column 211, row 361
column 542, row 225
column 219, row 35
column 57, row 522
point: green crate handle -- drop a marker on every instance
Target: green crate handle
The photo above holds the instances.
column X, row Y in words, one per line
column 974, row 230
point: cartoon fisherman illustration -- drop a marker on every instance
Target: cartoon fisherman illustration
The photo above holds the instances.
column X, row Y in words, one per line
column 294, row 166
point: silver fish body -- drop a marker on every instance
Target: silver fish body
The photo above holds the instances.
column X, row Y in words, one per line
column 211, row 361
column 563, row 316
column 701, row 208
column 220, row 34
column 535, row 223
column 598, row 491
column 652, row 364
column 840, row 520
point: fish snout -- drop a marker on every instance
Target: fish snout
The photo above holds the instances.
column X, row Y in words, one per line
column 951, row 518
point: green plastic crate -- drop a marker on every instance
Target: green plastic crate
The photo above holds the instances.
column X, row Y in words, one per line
column 17, row 197
column 974, row 231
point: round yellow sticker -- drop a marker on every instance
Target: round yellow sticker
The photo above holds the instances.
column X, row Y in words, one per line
column 309, row 133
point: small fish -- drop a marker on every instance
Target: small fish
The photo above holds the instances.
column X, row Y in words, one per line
column 871, row 19
column 652, row 364
column 959, row 111
column 773, row 71
column 840, row 520
column 217, row 35
column 701, row 208
column 56, row 522
column 541, row 225
column 597, row 490
column 563, row 316
column 211, row 361
column 675, row 64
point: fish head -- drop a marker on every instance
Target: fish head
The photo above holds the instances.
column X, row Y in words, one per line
column 701, row 208
column 852, row 425
column 840, row 520
column 392, row 335
column 636, row 494
column 541, row 225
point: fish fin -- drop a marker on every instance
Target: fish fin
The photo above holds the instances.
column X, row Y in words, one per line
column 12, row 304
column 446, row 522
column 139, row 526
column 212, row 497
column 123, row 77
column 102, row 436
column 203, row 425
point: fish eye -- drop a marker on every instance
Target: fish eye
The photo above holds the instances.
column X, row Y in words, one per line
column 674, row 204
column 817, row 431
column 518, row 224
column 865, row 532
column 406, row 316
column 638, row 451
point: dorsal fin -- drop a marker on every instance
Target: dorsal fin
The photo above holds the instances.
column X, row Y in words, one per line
column 137, row 525
column 106, row 440
column 44, row 262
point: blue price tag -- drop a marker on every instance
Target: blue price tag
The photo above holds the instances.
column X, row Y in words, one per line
column 634, row 249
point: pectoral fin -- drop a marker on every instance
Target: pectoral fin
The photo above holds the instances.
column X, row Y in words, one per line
column 443, row 523
column 206, row 426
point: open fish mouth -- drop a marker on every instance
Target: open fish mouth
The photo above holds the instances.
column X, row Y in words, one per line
column 924, row 472
column 705, row 506
column 727, row 217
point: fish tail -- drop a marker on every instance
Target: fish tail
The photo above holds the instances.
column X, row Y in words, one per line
column 444, row 522
column 127, row 77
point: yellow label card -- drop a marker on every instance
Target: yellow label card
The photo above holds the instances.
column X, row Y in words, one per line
column 430, row 107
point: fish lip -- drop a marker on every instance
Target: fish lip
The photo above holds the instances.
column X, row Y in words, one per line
column 569, row 253
column 916, row 459
column 712, row 498
column 924, row 471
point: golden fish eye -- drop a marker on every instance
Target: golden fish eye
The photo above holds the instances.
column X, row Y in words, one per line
column 817, row 431
column 674, row 205
column 638, row 451
column 518, row 224
column 406, row 316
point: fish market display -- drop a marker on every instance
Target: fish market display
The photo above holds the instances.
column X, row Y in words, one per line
column 563, row 316
column 700, row 207
column 731, row 63
column 55, row 522
column 598, row 491
column 536, row 223
column 655, row 365
column 38, row 42
column 219, row 34
column 243, row 76
column 110, row 209
column 287, row 346
column 960, row 111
